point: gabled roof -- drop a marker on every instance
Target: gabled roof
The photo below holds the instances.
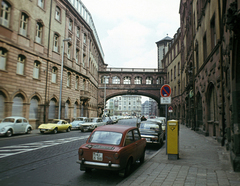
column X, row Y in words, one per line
column 167, row 38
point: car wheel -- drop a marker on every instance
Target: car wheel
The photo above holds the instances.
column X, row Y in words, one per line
column 29, row 130
column 82, row 130
column 88, row 170
column 42, row 132
column 9, row 133
column 55, row 131
column 68, row 129
column 142, row 157
column 128, row 168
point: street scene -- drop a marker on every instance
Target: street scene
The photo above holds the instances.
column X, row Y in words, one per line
column 119, row 93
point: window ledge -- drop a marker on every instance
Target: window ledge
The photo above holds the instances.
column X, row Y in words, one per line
column 7, row 28
column 21, row 75
column 1, row 70
column 59, row 21
column 36, row 79
column 39, row 43
column 56, row 52
column 43, row 9
column 24, row 36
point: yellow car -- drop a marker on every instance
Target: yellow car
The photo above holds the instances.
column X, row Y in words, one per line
column 55, row 126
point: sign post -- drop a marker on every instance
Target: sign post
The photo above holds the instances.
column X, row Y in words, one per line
column 165, row 92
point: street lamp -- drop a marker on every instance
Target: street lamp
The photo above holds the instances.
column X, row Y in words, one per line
column 105, row 94
column 60, row 97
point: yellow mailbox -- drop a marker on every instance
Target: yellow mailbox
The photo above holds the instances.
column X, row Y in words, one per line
column 173, row 139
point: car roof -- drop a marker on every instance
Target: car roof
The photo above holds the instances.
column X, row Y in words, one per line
column 19, row 117
column 115, row 128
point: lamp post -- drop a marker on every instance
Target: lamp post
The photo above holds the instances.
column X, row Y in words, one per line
column 104, row 94
column 60, row 96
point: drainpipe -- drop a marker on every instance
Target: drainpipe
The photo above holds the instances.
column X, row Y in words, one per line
column 221, row 68
column 46, row 85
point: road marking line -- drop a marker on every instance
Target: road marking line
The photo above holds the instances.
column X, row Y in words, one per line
column 11, row 150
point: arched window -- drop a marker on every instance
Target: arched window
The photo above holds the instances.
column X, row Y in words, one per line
column 39, row 30
column 126, row 80
column 115, row 80
column 105, row 79
column 24, row 24
column 17, row 107
column 149, row 80
column 5, row 14
column 54, row 75
column 2, row 99
column 33, row 108
column 70, row 25
column 213, row 113
column 66, row 116
column 52, row 109
column 75, row 110
column 36, row 69
column 160, row 80
column 21, row 64
column 138, row 80
column 3, row 58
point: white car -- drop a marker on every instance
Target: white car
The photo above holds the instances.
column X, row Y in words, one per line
column 96, row 122
column 15, row 125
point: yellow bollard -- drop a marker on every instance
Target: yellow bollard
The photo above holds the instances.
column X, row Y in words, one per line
column 173, row 139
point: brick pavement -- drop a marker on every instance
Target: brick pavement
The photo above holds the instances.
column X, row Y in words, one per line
column 202, row 161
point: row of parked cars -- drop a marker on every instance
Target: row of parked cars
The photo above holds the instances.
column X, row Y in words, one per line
column 118, row 147
column 17, row 125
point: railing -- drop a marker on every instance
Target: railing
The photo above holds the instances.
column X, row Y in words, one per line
column 134, row 70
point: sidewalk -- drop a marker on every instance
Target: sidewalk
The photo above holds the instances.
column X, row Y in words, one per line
column 202, row 161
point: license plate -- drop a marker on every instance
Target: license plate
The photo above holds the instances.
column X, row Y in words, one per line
column 97, row 156
column 43, row 129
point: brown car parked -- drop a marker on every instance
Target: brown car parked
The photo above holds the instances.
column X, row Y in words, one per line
column 112, row 147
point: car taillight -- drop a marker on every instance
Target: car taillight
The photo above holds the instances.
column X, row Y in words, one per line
column 80, row 152
column 116, row 156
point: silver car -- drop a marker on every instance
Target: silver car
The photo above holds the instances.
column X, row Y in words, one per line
column 78, row 121
column 94, row 123
column 15, row 125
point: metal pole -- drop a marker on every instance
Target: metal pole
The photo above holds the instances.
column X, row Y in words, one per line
column 60, row 96
column 104, row 96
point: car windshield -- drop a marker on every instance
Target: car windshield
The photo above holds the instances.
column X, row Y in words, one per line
column 79, row 119
column 56, row 122
column 149, row 126
column 106, row 137
column 9, row 120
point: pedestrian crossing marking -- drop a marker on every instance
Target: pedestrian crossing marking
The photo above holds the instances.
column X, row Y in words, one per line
column 18, row 149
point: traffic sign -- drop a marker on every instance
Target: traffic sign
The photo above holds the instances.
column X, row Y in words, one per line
column 166, row 100
column 170, row 109
column 165, row 90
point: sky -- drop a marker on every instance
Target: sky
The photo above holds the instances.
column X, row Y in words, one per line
column 129, row 29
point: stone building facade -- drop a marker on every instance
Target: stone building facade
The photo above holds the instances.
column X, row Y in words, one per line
column 31, row 39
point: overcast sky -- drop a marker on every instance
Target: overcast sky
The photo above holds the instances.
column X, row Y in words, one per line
column 129, row 29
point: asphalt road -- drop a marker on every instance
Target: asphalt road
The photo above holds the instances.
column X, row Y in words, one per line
column 50, row 159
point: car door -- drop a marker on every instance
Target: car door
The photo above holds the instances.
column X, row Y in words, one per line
column 18, row 125
column 130, row 146
column 64, row 125
column 140, row 145
column 24, row 125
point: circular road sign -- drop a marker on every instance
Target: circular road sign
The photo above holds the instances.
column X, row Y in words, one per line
column 165, row 91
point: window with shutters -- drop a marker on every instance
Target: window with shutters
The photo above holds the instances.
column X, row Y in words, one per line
column 5, row 14
column 21, row 64
column 3, row 58
column 23, row 24
column 36, row 69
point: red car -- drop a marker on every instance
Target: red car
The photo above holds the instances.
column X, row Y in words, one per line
column 112, row 147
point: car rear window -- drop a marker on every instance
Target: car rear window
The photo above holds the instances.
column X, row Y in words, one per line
column 149, row 126
column 106, row 137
